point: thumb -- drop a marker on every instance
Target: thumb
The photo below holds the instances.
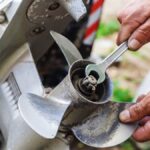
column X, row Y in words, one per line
column 136, row 112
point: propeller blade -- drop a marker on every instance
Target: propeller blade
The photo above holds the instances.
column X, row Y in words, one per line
column 103, row 129
column 69, row 50
column 43, row 115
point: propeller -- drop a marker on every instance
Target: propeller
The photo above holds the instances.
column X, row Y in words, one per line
column 44, row 115
column 79, row 103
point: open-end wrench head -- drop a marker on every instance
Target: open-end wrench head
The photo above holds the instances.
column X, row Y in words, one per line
column 97, row 71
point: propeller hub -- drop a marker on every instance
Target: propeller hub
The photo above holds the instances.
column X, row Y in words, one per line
column 87, row 86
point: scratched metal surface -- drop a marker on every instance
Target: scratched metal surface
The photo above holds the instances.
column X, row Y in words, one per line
column 103, row 128
column 41, row 11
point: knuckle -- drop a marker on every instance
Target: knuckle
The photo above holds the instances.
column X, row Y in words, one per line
column 142, row 35
column 137, row 111
column 121, row 16
column 134, row 23
column 148, row 97
column 143, row 32
column 146, row 104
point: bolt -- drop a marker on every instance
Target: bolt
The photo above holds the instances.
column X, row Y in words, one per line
column 38, row 30
column 2, row 17
column 88, row 85
column 54, row 6
column 48, row 90
column 70, row 138
column 90, row 82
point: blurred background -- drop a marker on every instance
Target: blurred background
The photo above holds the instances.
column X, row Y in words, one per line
column 127, row 73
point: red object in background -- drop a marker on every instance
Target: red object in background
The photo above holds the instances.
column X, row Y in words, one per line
column 93, row 22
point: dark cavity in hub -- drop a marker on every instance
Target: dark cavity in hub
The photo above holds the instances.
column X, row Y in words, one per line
column 87, row 86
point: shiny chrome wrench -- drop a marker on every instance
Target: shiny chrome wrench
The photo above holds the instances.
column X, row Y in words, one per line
column 101, row 68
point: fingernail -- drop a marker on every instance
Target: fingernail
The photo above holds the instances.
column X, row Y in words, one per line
column 125, row 116
column 134, row 44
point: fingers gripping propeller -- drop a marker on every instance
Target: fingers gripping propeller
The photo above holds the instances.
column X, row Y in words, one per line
column 103, row 128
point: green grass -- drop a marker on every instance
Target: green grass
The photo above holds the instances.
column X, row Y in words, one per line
column 106, row 29
column 127, row 146
column 121, row 94
column 138, row 55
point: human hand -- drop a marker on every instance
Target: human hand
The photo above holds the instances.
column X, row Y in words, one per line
column 139, row 112
column 135, row 24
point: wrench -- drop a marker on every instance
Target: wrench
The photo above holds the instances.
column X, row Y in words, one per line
column 101, row 68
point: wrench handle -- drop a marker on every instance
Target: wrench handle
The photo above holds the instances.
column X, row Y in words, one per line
column 115, row 55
